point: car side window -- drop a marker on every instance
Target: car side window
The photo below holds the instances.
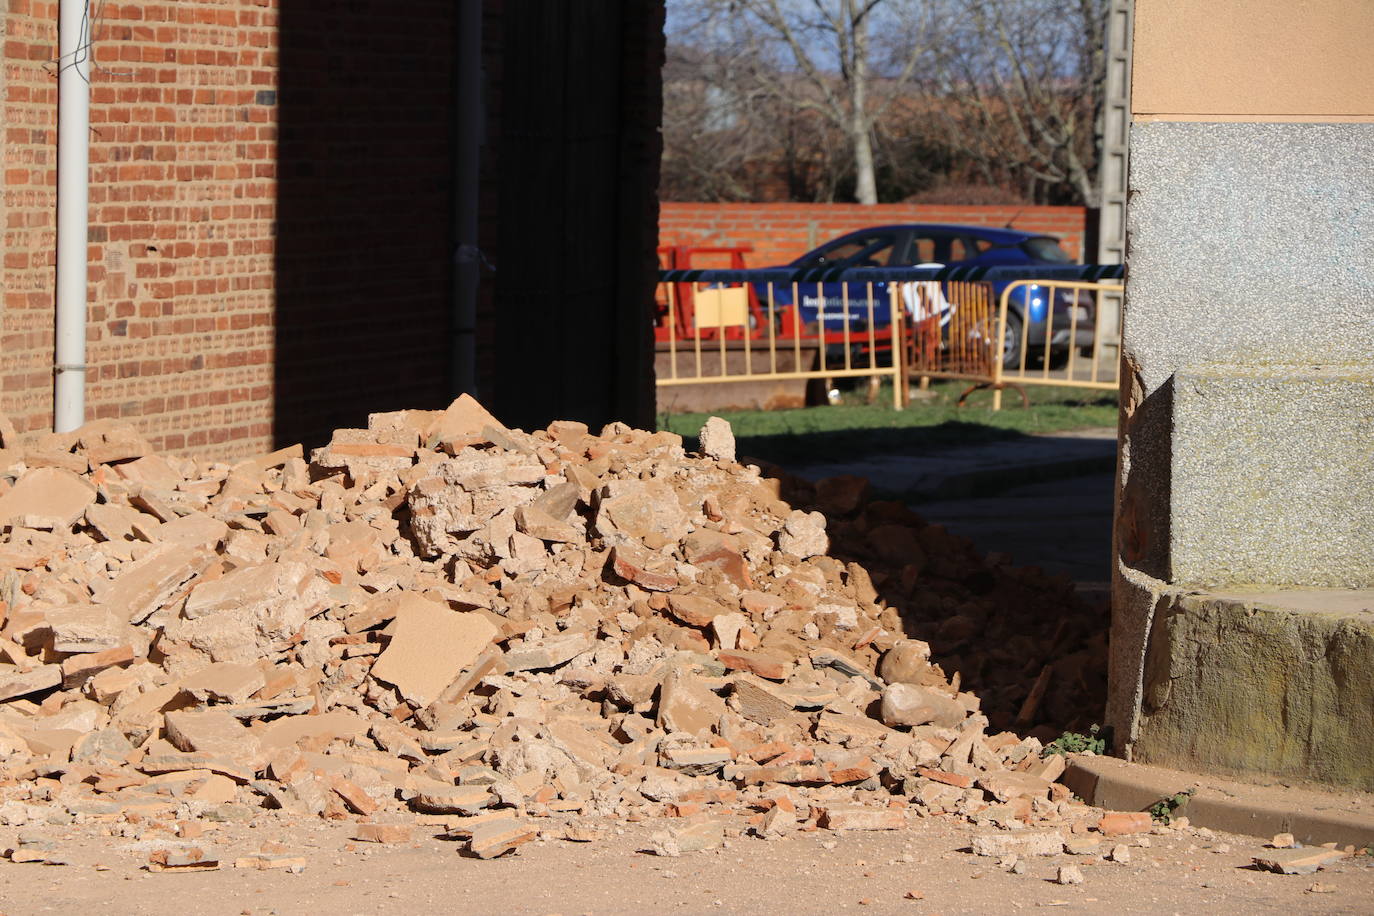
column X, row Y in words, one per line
column 963, row 249
column 868, row 251
column 1044, row 248
column 877, row 255
column 938, row 248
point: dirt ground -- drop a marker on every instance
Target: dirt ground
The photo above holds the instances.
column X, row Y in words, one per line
column 925, row 869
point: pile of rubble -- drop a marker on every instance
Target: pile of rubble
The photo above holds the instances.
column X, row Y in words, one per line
column 440, row 618
column 1009, row 634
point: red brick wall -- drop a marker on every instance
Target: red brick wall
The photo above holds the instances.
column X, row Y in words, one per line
column 181, row 210
column 243, row 292
column 782, row 232
column 271, row 242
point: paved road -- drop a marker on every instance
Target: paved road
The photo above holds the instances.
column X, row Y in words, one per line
column 1045, row 500
column 977, row 470
column 1059, row 525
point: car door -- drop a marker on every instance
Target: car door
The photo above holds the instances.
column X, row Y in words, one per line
column 835, row 305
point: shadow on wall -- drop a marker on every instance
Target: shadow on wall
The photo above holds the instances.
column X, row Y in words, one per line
column 364, row 212
column 579, row 148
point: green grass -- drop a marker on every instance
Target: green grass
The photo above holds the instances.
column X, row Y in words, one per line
column 837, row 432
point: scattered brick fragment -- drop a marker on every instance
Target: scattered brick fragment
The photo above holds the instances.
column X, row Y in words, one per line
column 1121, row 823
column 1298, row 861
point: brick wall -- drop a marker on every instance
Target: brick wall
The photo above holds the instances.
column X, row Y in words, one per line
column 183, row 130
column 271, row 241
column 782, row 232
column 242, row 292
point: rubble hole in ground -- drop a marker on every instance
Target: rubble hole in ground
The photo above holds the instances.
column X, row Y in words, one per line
column 441, row 618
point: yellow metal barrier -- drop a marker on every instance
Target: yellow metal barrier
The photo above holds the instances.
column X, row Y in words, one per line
column 711, row 334
column 1052, row 336
column 951, row 330
column 1038, row 332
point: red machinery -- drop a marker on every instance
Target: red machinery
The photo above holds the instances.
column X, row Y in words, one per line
column 683, row 298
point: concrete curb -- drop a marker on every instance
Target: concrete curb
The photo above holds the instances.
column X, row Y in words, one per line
column 1313, row 817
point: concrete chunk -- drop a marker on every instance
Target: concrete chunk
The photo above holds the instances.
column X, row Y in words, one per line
column 225, row 682
column 196, row 530
column 496, row 838
column 15, row 683
column 210, row 731
column 465, row 417
column 909, row 705
column 685, row 705
column 438, row 798
column 46, row 498
column 1018, row 843
column 855, row 817
column 717, row 440
column 547, row 653
column 77, row 668
column 250, row 611
column 431, row 645
column 86, row 628
column 147, row 584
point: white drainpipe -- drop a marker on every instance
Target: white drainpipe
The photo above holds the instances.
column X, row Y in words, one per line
column 73, row 164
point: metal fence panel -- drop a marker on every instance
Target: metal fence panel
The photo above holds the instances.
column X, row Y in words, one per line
column 997, row 327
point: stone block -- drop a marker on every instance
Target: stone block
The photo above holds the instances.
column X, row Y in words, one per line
column 1261, row 684
column 1271, row 477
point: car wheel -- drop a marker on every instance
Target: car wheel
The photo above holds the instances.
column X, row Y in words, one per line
column 1011, row 341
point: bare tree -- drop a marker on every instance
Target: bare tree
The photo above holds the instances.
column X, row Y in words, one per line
column 1022, row 83
column 808, row 99
column 725, row 137
column 820, row 56
column 714, row 127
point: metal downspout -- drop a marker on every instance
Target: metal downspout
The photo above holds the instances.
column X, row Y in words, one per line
column 467, row 256
column 73, row 163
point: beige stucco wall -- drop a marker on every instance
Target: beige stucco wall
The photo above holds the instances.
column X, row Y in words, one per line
column 1253, row 60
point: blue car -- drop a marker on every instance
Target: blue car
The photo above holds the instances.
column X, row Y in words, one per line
column 938, row 244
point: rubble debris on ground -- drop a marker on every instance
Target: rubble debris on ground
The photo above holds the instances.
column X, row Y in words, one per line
column 1299, row 861
column 439, row 620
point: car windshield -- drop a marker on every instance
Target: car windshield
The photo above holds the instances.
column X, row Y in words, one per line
column 1044, row 248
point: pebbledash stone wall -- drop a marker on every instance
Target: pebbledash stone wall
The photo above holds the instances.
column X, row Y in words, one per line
column 1242, row 634
column 779, row 233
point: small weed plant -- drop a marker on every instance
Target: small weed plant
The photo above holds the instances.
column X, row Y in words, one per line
column 1074, row 743
column 1164, row 809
